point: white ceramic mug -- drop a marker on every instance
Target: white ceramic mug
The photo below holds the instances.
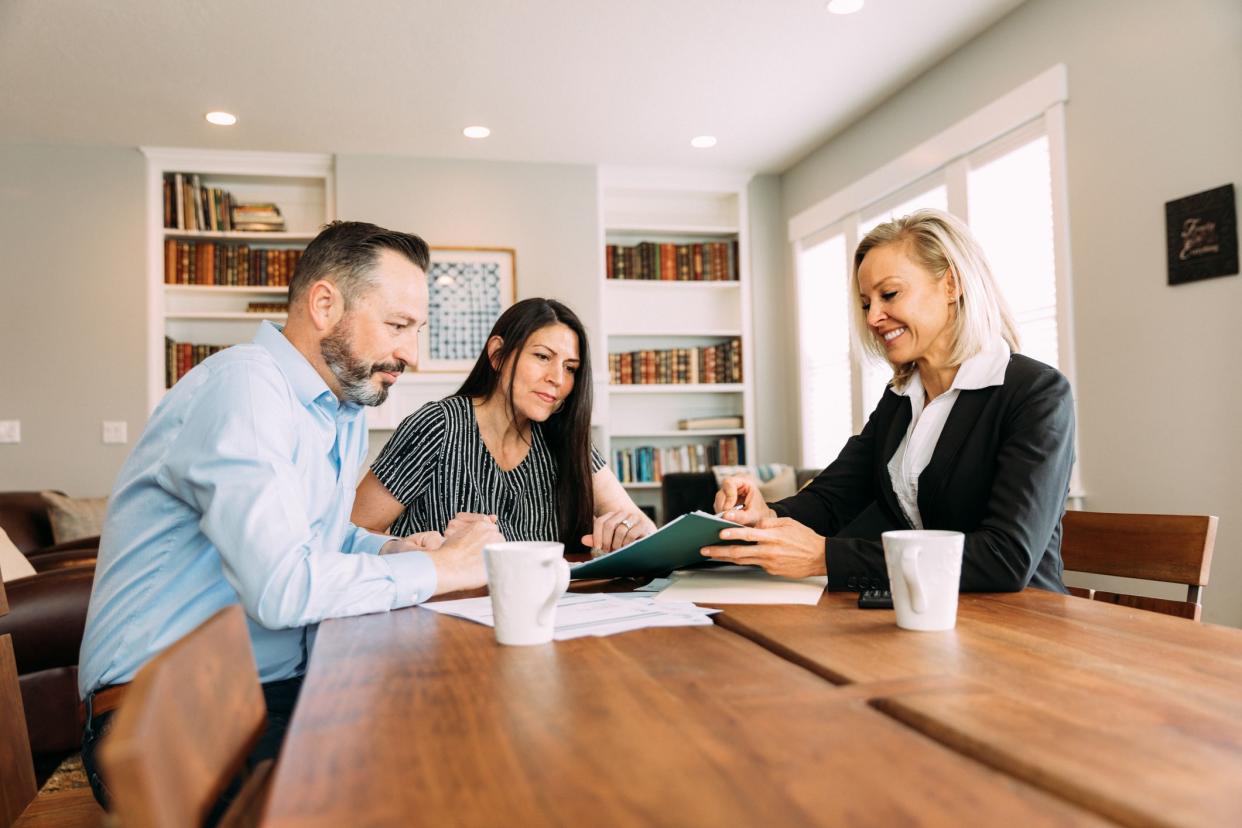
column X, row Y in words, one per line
column 525, row 580
column 924, row 576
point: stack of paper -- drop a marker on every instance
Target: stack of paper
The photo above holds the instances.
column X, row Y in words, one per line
column 580, row 615
column 740, row 585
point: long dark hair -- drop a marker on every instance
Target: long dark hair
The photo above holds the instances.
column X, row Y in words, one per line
column 568, row 431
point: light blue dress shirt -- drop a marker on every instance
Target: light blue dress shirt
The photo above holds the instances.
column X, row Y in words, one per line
column 240, row 490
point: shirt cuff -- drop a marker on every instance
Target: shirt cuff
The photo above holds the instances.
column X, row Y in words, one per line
column 369, row 543
column 415, row 576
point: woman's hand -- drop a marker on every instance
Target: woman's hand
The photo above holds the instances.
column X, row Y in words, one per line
column 462, row 522
column 783, row 546
column 612, row 530
column 739, row 500
column 418, row 542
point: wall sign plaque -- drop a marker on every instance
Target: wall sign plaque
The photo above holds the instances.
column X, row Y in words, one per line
column 1201, row 231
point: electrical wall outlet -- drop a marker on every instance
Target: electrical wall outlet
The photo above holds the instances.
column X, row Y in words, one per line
column 115, row 431
column 10, row 431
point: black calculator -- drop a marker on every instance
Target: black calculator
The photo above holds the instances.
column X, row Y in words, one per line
column 875, row 599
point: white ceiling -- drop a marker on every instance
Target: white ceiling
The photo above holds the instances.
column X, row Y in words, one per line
column 575, row 81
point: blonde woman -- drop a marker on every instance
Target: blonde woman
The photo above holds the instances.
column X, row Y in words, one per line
column 970, row 435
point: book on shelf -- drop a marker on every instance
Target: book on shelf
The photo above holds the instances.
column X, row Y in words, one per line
column 180, row 357
column 712, row 261
column 258, row 217
column 711, row 364
column 188, row 205
column 709, row 422
column 227, row 264
column 649, row 464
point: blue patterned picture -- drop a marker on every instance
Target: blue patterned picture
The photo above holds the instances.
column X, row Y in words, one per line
column 469, row 289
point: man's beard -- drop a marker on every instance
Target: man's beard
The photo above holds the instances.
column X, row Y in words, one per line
column 354, row 374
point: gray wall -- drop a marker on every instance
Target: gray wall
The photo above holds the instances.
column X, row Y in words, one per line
column 1155, row 113
column 73, row 315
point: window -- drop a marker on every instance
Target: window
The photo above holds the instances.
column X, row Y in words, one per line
column 1003, row 187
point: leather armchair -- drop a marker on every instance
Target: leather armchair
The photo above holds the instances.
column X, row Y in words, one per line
column 47, row 615
column 24, row 517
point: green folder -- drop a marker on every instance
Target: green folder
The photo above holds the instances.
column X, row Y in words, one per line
column 675, row 545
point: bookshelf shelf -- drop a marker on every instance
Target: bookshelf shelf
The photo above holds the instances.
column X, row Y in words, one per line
column 647, row 219
column 226, row 316
column 187, row 321
column 679, row 433
column 661, row 332
column 670, row 284
column 208, row 290
column 239, row 235
column 655, row 229
column 680, row 388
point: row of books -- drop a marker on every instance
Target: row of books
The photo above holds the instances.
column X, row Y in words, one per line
column 649, row 464
column 188, row 205
column 180, row 357
column 666, row 261
column 216, row 263
column 677, row 366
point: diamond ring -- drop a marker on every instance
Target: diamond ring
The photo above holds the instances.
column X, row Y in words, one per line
column 627, row 523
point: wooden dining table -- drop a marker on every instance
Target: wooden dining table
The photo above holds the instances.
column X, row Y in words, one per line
column 1037, row 709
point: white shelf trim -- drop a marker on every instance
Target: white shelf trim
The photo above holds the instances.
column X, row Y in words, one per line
column 669, row 283
column 275, row 235
column 684, row 388
column 225, row 316
column 723, row 332
column 657, row 229
column 280, row 289
column 699, row 432
column 642, row 485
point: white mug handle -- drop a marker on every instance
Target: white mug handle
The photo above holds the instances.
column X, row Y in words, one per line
column 562, row 584
column 910, row 571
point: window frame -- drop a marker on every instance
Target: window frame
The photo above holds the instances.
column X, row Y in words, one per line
column 1035, row 108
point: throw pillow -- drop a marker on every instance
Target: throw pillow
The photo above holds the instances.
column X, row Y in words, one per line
column 13, row 563
column 75, row 517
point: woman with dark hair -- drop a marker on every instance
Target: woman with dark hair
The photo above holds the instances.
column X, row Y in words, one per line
column 513, row 445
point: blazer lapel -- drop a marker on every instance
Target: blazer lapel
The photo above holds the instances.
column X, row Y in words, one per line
column 892, row 439
column 962, row 419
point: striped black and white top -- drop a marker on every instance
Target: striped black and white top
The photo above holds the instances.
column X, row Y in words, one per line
column 437, row 465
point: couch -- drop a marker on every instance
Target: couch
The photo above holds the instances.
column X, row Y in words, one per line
column 47, row 614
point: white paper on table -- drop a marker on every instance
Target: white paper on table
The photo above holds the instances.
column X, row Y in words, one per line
column 742, row 585
column 597, row 614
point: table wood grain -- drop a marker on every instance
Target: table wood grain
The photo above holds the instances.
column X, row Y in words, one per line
column 416, row 718
column 1133, row 715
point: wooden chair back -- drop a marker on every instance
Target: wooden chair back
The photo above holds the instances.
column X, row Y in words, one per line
column 185, row 727
column 1173, row 549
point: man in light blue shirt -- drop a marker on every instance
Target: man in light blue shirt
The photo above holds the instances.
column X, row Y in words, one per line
column 241, row 486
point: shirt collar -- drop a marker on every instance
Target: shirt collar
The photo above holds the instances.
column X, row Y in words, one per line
column 303, row 378
column 983, row 370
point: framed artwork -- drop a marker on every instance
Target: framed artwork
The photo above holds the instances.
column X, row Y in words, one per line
column 469, row 288
column 1201, row 232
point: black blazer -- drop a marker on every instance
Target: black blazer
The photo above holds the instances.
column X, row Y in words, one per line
column 999, row 473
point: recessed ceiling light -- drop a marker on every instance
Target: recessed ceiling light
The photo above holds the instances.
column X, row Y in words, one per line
column 221, row 118
column 703, row 141
column 844, row 6
column 476, row 132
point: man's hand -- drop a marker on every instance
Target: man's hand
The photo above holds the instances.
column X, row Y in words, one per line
column 783, row 547
column 459, row 562
column 739, row 500
column 463, row 520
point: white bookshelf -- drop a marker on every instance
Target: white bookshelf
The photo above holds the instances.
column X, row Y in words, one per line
column 302, row 185
column 680, row 207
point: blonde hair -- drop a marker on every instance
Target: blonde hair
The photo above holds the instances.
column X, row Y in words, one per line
column 940, row 242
